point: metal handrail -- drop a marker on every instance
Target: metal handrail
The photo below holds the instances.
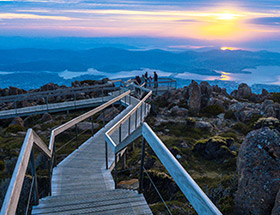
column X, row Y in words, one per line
column 199, row 200
column 42, row 93
column 80, row 118
column 12, row 195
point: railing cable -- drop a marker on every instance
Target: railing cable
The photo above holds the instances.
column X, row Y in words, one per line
column 29, row 196
column 157, row 190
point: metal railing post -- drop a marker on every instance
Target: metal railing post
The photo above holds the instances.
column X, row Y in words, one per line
column 15, row 106
column 92, row 129
column 106, row 154
column 129, row 122
column 103, row 117
column 129, row 99
column 34, row 175
column 136, row 118
column 116, row 174
column 54, row 155
column 76, row 131
column 102, row 94
column 145, row 108
column 141, row 166
column 50, row 176
column 120, row 133
column 75, row 99
column 141, row 113
column 124, row 161
column 47, row 102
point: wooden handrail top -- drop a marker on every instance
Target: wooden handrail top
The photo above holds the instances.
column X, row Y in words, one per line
column 118, row 80
column 84, row 116
column 129, row 114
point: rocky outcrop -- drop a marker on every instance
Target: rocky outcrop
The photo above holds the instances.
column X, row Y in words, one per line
column 258, row 166
column 194, row 97
column 49, row 87
column 206, row 92
column 243, row 92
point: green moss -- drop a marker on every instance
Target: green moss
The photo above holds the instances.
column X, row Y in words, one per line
column 230, row 115
column 242, row 128
column 14, row 129
column 183, row 104
column 212, row 110
column 231, row 134
column 175, row 207
column 276, row 97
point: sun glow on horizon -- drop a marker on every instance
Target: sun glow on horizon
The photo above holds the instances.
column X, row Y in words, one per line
column 228, row 48
column 225, row 76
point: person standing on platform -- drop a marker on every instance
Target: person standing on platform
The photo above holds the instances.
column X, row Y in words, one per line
column 146, row 78
column 155, row 80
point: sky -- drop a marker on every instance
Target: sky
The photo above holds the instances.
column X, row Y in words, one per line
column 251, row 24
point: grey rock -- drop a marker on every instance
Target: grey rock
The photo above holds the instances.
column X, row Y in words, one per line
column 17, row 121
column 194, row 97
column 258, row 166
column 203, row 125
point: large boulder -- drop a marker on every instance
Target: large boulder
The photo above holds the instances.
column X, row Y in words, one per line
column 276, row 208
column 247, row 115
column 194, row 97
column 16, row 91
column 206, row 91
column 243, row 92
column 268, row 108
column 258, row 166
column 46, row 117
column 205, row 126
column 17, row 121
column 49, row 86
column 179, row 111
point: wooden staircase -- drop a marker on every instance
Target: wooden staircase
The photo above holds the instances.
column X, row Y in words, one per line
column 82, row 185
column 94, row 202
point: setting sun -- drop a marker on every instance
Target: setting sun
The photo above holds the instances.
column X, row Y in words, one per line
column 227, row 48
column 228, row 16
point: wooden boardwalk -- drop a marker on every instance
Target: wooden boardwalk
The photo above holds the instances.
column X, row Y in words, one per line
column 82, row 185
column 54, row 107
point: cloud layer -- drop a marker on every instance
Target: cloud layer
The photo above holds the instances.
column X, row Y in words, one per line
column 198, row 19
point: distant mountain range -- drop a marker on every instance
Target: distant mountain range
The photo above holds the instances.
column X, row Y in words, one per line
column 116, row 60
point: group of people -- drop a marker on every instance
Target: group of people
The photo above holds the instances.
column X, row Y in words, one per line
column 147, row 80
